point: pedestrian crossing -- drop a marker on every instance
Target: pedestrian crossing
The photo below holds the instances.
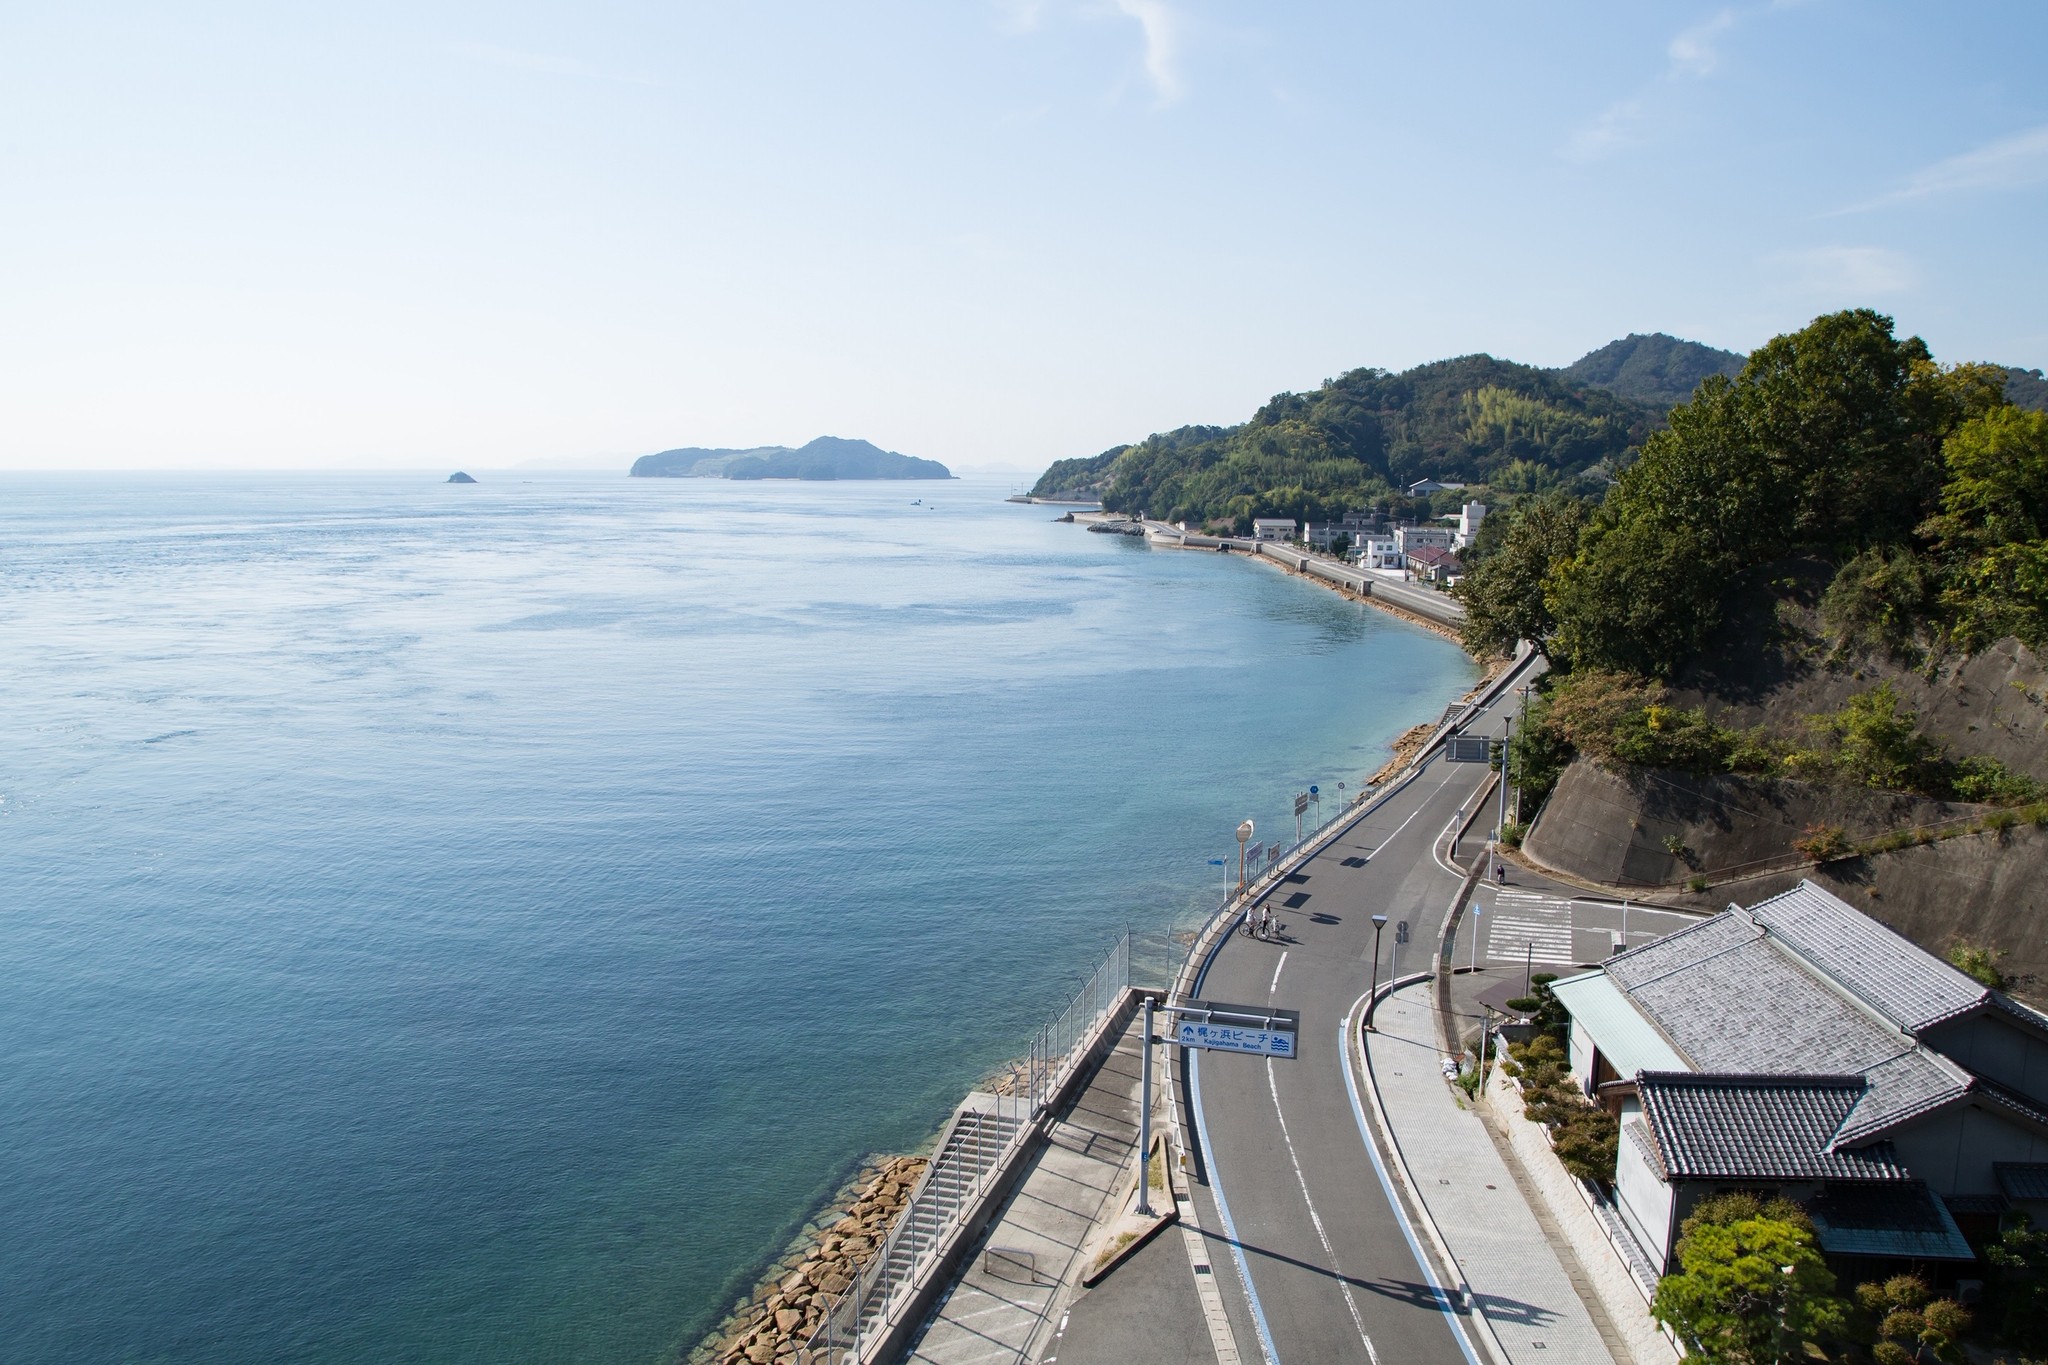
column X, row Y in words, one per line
column 1544, row 938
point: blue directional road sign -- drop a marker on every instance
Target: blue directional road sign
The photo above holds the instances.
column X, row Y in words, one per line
column 1236, row 1028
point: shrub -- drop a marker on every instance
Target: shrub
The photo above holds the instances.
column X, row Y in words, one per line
column 1977, row 962
column 1585, row 1136
column 1910, row 1323
column 1824, row 843
column 1697, row 884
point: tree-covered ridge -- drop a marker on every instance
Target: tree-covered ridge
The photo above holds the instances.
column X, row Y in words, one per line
column 1840, row 441
column 2026, row 389
column 1656, row 369
column 828, row 457
column 1361, row 439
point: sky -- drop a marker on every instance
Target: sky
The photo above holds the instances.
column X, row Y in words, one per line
column 990, row 232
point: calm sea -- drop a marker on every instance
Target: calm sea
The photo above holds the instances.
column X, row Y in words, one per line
column 479, row 923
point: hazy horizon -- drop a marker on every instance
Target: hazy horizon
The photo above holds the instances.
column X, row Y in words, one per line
column 992, row 234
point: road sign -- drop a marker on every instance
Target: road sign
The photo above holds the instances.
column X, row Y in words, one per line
column 1300, row 802
column 1469, row 749
column 1252, row 854
column 1401, row 932
column 1236, row 1028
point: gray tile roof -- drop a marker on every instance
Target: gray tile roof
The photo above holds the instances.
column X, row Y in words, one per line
column 1903, row 983
column 1903, row 1220
column 2022, row 1179
column 1735, row 1001
column 1759, row 1127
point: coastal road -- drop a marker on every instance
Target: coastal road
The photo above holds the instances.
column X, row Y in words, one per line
column 1330, row 1272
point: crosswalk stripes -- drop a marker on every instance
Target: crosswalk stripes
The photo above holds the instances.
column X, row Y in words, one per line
column 1547, row 939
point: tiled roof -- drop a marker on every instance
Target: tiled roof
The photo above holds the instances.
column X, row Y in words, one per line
column 1905, row 984
column 1628, row 1041
column 1903, row 1220
column 1735, row 1002
column 1752, row 1127
column 2022, row 1179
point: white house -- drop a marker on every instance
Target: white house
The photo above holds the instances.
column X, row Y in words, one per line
column 1272, row 528
column 1800, row 1047
column 1409, row 539
column 1376, row 551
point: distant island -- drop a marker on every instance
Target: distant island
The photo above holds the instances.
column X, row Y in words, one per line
column 828, row 457
column 459, row 477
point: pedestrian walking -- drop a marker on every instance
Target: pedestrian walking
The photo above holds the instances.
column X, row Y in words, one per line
column 1500, row 873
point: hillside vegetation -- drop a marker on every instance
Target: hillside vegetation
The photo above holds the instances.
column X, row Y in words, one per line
column 1656, row 369
column 828, row 457
column 1360, row 440
column 1830, row 572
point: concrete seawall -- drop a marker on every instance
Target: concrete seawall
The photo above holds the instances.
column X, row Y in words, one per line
column 1426, row 603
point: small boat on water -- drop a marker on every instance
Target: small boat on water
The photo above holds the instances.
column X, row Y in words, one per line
column 917, row 502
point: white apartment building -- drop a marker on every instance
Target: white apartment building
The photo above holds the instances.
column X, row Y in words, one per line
column 1469, row 517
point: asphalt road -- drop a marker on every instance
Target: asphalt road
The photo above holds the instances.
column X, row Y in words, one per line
column 1331, row 1272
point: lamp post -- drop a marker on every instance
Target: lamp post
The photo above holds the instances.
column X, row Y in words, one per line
column 1244, row 835
column 1379, row 922
column 1145, row 1124
column 1506, row 749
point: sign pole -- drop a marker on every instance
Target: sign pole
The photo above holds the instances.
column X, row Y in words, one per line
column 1476, row 912
column 1145, row 1123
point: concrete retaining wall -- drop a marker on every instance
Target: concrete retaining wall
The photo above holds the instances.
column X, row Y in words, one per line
column 1611, row 827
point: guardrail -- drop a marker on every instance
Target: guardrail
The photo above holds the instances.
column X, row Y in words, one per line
column 976, row 1148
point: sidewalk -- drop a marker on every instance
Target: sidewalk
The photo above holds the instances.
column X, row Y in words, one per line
column 1008, row 1302
column 1521, row 1285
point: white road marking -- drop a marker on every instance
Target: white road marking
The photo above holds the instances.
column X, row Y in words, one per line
column 1357, row 1318
column 1538, row 940
column 1276, row 972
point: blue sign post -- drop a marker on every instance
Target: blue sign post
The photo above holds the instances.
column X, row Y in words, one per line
column 1236, row 1028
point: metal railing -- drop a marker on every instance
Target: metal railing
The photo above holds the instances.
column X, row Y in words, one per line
column 971, row 1156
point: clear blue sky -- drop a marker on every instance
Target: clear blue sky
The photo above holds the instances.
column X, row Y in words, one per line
column 435, row 235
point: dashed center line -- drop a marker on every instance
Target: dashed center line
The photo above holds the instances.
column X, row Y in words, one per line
column 1357, row 1318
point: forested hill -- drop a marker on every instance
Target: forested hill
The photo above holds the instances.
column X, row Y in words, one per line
column 828, row 457
column 1361, row 439
column 1655, row 369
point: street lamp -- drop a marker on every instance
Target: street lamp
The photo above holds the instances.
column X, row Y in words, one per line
column 1379, row 922
column 1244, row 834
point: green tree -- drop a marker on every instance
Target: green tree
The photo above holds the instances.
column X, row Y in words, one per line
column 1829, row 441
column 1503, row 592
column 1991, row 527
column 1908, row 1325
column 1751, row 1285
column 2019, row 1286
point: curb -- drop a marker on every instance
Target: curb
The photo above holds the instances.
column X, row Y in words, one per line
column 1355, row 1039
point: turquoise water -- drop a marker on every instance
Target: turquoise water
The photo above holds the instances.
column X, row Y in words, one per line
column 477, row 923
